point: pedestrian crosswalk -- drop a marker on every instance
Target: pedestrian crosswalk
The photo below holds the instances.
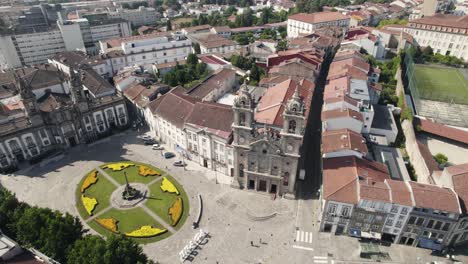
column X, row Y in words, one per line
column 320, row 259
column 304, row 236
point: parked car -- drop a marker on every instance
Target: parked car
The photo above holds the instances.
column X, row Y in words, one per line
column 146, row 137
column 169, row 155
column 157, row 147
column 150, row 142
column 180, row 164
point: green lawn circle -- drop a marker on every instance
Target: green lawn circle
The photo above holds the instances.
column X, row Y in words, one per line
column 158, row 202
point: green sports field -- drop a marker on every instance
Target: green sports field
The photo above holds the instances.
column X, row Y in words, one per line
column 442, row 83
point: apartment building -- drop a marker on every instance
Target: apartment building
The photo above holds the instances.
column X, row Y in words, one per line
column 303, row 23
column 200, row 131
column 22, row 49
column 145, row 50
column 446, row 34
column 137, row 17
column 214, row 43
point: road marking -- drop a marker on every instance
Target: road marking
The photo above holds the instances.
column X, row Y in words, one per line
column 320, row 261
column 320, row 257
column 304, row 248
column 304, row 236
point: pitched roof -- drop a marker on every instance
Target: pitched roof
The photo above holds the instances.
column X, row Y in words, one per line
column 374, row 191
column 343, row 139
column 338, row 71
column 354, row 61
column 442, row 20
column 401, row 194
column 51, row 101
column 75, row 58
column 213, row 41
column 318, row 17
column 216, row 118
column 460, row 182
column 441, row 130
column 270, row 108
column 342, row 176
column 212, row 82
column 339, row 113
column 95, row 83
column 37, row 77
column 435, row 197
column 174, row 107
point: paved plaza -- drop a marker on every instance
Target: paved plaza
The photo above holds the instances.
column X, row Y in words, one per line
column 244, row 227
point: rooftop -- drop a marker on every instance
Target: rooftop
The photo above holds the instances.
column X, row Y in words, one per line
column 442, row 20
column 343, row 139
column 318, row 17
column 212, row 82
column 340, row 113
column 424, row 195
column 213, row 41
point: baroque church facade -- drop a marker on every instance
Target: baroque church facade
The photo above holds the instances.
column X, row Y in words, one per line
column 266, row 158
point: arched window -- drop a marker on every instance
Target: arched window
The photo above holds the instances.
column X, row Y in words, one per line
column 242, row 103
column 241, row 170
column 286, row 179
column 292, row 126
column 242, row 119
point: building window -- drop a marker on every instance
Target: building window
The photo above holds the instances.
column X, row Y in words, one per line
column 430, row 223
column 394, row 209
column 345, row 211
column 438, row 225
column 292, row 126
column 404, row 210
column 332, row 208
column 286, row 179
column 412, row 220
column 399, row 224
column 242, row 119
column 446, row 227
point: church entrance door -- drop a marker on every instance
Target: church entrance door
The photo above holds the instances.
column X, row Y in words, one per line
column 262, row 186
column 273, row 188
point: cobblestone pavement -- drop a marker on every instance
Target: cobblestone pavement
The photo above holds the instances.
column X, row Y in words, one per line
column 281, row 230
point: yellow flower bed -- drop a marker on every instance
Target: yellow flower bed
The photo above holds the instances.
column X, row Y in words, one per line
column 147, row 171
column 118, row 166
column 146, row 231
column 90, row 180
column 168, row 186
column 89, row 203
column 108, row 223
column 176, row 210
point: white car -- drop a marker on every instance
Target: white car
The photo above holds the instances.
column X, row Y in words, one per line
column 146, row 137
column 157, row 147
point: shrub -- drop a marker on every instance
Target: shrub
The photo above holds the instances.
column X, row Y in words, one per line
column 147, row 171
column 175, row 211
column 89, row 204
column 441, row 158
column 108, row 223
column 90, row 180
column 146, row 231
column 118, row 166
column 168, row 186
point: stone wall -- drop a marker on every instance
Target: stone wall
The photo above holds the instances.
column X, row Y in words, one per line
column 422, row 171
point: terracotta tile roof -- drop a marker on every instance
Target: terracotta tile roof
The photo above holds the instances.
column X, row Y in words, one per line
column 460, row 182
column 216, row 118
column 343, row 139
column 337, row 88
column 400, row 192
column 39, row 76
column 345, row 99
column 441, row 130
column 213, row 41
column 273, row 80
column 197, row 28
column 342, row 177
column 75, row 58
column 211, row 59
column 435, row 197
column 140, row 94
column 174, row 107
column 443, row 21
column 339, row 113
column 318, row 17
column 95, row 83
column 212, row 82
column 270, row 108
column 356, row 62
column 170, row 64
column 374, row 191
column 338, row 71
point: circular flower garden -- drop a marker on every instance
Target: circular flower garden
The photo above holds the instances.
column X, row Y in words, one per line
column 157, row 207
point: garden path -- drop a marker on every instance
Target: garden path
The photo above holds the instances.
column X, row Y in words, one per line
column 100, row 213
column 107, row 176
column 158, row 219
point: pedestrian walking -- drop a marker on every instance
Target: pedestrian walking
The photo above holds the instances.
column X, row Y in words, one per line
column 251, row 243
column 260, row 241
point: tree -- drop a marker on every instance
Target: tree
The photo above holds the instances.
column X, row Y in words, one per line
column 196, row 48
column 441, row 159
column 230, row 10
column 192, row 59
column 48, row 231
column 117, row 249
column 427, row 52
column 168, row 25
column 242, row 39
column 394, row 21
column 120, row 249
column 10, row 212
column 282, row 45
column 255, row 73
column 89, row 250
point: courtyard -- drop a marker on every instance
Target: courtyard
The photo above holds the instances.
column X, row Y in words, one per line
column 244, row 227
